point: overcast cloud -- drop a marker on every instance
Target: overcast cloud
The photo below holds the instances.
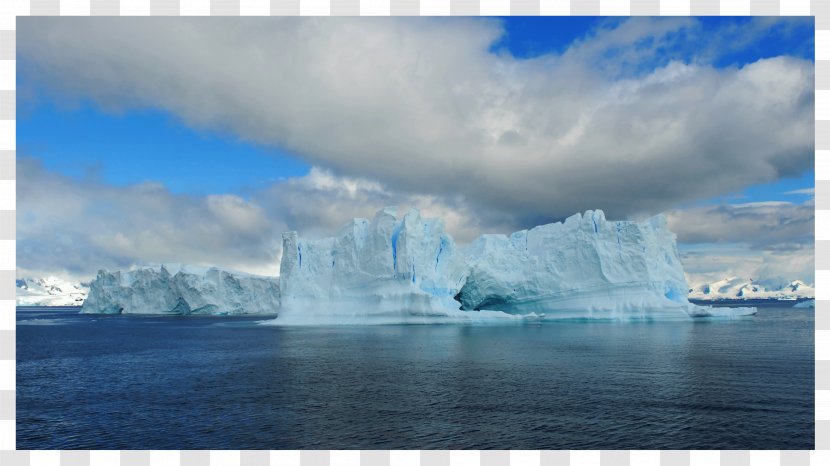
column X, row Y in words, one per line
column 94, row 225
column 779, row 225
column 417, row 112
column 422, row 106
column 73, row 228
column 772, row 242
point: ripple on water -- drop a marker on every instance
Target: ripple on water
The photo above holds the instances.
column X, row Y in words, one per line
column 199, row 382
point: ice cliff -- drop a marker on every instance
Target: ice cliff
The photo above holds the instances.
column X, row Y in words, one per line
column 408, row 267
column 388, row 266
column 155, row 290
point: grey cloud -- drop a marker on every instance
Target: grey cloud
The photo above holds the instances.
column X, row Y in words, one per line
column 773, row 268
column 780, row 226
column 771, row 242
column 320, row 203
column 73, row 227
column 422, row 106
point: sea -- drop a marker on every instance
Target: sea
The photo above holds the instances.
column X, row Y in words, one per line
column 166, row 382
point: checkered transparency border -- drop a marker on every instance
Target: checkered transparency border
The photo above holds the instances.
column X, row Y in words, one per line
column 9, row 9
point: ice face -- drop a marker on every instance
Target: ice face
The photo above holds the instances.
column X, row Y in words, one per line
column 157, row 291
column 408, row 267
column 391, row 265
column 585, row 262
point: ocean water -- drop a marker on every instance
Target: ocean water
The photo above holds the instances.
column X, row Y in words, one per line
column 127, row 382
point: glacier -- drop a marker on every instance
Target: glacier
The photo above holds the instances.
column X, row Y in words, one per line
column 405, row 268
column 49, row 291
column 182, row 290
column 737, row 288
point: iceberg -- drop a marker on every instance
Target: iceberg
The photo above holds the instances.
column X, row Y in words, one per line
column 585, row 266
column 394, row 267
column 408, row 268
column 187, row 290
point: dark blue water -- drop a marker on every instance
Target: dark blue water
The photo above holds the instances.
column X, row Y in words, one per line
column 123, row 382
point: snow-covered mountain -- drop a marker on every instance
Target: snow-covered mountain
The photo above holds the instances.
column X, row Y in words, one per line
column 50, row 291
column 737, row 288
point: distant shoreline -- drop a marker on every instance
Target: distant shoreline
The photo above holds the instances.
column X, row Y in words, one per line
column 700, row 302
column 31, row 306
column 725, row 302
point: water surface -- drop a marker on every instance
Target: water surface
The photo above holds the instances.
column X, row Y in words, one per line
column 133, row 382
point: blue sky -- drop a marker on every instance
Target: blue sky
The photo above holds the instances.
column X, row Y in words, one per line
column 530, row 36
column 80, row 141
column 247, row 127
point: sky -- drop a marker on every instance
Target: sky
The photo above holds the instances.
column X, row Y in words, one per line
column 199, row 140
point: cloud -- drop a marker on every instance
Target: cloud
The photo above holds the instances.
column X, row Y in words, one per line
column 95, row 225
column 771, row 242
column 761, row 225
column 74, row 227
column 422, row 107
column 803, row 192
column 707, row 264
column 319, row 203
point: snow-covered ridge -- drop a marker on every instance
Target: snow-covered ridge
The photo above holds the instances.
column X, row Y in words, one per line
column 190, row 290
column 50, row 291
column 737, row 288
column 408, row 267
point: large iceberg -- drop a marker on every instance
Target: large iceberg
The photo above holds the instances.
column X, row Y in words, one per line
column 393, row 267
column 585, row 266
column 405, row 268
column 187, row 290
